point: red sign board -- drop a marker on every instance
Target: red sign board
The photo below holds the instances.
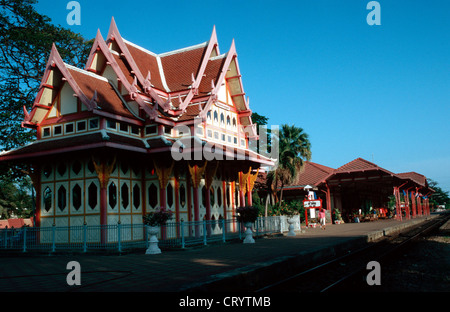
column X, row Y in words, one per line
column 311, row 204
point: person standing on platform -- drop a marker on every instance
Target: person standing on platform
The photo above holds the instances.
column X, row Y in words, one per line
column 322, row 218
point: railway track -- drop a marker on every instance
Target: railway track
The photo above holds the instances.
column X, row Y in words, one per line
column 349, row 272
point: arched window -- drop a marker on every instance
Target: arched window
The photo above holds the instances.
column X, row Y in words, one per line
column 136, row 196
column 204, row 196
column 219, row 196
column 216, row 116
column 182, row 195
column 169, row 195
column 92, row 195
column 112, row 197
column 125, row 196
column 152, row 195
column 62, row 198
column 76, row 197
column 48, row 199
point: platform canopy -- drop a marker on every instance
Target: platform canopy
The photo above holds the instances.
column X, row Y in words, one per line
column 358, row 184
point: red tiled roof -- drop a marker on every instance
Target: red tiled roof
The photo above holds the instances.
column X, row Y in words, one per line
column 28, row 222
column 74, row 143
column 191, row 111
column 146, row 62
column 416, row 177
column 177, row 66
column 212, row 72
column 4, row 224
column 311, row 174
column 180, row 66
column 15, row 223
column 124, row 68
column 357, row 165
column 107, row 99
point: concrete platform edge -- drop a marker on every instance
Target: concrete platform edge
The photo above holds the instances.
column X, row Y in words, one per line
column 256, row 275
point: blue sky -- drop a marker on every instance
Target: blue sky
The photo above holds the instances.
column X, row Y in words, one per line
column 377, row 92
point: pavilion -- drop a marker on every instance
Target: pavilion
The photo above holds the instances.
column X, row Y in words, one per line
column 127, row 135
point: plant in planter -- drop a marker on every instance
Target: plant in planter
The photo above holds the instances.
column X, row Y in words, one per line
column 337, row 216
column 155, row 220
column 293, row 209
column 248, row 216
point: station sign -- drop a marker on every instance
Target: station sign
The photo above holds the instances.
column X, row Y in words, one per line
column 316, row 203
column 311, row 205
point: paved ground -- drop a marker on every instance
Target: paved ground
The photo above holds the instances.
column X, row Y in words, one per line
column 199, row 268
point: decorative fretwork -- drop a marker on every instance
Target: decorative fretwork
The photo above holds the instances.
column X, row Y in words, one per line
column 163, row 173
column 251, row 180
column 196, row 173
column 104, row 171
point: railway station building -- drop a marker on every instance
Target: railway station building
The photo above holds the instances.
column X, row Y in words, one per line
column 363, row 189
column 107, row 146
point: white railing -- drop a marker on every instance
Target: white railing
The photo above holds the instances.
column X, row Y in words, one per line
column 120, row 237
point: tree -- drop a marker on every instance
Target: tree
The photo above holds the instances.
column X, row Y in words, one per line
column 259, row 120
column 265, row 186
column 439, row 197
column 14, row 199
column 294, row 148
column 26, row 38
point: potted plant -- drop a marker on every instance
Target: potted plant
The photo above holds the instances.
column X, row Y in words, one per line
column 154, row 220
column 291, row 212
column 337, row 216
column 248, row 216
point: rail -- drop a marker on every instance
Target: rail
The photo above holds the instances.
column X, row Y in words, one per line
column 337, row 273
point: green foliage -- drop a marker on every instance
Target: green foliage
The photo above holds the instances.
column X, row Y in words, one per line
column 259, row 120
column 26, row 38
column 289, row 209
column 294, row 149
column 247, row 214
column 158, row 217
column 15, row 199
column 257, row 203
column 439, row 197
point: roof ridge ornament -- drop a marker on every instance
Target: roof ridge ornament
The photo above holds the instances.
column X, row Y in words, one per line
column 134, row 89
column 25, row 112
column 93, row 101
column 194, row 85
column 147, row 83
column 167, row 104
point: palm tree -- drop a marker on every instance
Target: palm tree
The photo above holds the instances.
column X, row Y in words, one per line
column 294, row 149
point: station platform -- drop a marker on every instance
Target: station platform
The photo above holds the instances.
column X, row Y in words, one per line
column 232, row 266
